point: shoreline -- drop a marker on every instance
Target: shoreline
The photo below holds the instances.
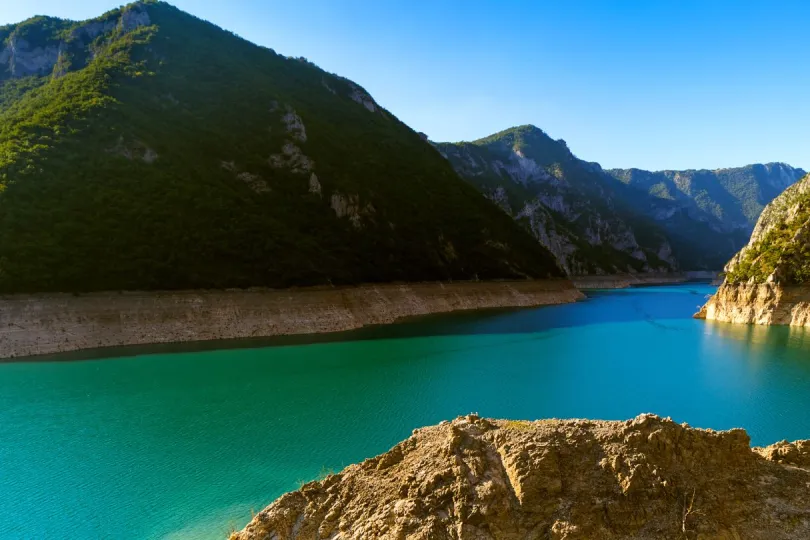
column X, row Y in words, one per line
column 624, row 281
column 48, row 324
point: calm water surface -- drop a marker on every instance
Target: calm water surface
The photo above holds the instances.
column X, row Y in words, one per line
column 184, row 445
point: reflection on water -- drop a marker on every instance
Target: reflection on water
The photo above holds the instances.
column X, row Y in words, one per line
column 761, row 347
column 759, row 336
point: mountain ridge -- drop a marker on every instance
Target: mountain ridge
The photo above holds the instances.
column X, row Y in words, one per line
column 641, row 231
column 743, row 191
column 539, row 181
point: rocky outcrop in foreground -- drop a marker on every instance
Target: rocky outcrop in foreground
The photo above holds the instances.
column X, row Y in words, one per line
column 475, row 478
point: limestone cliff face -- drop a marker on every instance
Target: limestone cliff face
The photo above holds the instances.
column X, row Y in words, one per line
column 758, row 303
column 484, row 479
column 768, row 281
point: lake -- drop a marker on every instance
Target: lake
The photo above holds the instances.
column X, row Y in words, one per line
column 183, row 445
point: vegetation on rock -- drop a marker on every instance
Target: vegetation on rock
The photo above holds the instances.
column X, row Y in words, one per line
column 779, row 250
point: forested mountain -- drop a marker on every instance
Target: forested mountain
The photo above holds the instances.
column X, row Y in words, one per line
column 148, row 149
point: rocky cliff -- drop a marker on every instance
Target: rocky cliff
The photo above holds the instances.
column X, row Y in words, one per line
column 45, row 324
column 570, row 206
column 768, row 281
column 50, row 46
column 473, row 478
column 758, row 303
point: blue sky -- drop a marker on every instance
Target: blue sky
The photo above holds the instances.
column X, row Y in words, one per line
column 649, row 84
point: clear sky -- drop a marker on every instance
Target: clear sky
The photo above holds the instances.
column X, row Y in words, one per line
column 647, row 83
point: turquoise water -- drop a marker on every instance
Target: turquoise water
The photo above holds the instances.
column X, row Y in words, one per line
column 184, row 445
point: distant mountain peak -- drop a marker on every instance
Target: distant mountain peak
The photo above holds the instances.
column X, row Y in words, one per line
column 733, row 195
column 694, row 219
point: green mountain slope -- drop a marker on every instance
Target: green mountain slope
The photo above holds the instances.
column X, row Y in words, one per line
column 779, row 249
column 147, row 149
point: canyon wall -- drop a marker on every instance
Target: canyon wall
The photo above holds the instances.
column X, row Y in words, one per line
column 54, row 323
